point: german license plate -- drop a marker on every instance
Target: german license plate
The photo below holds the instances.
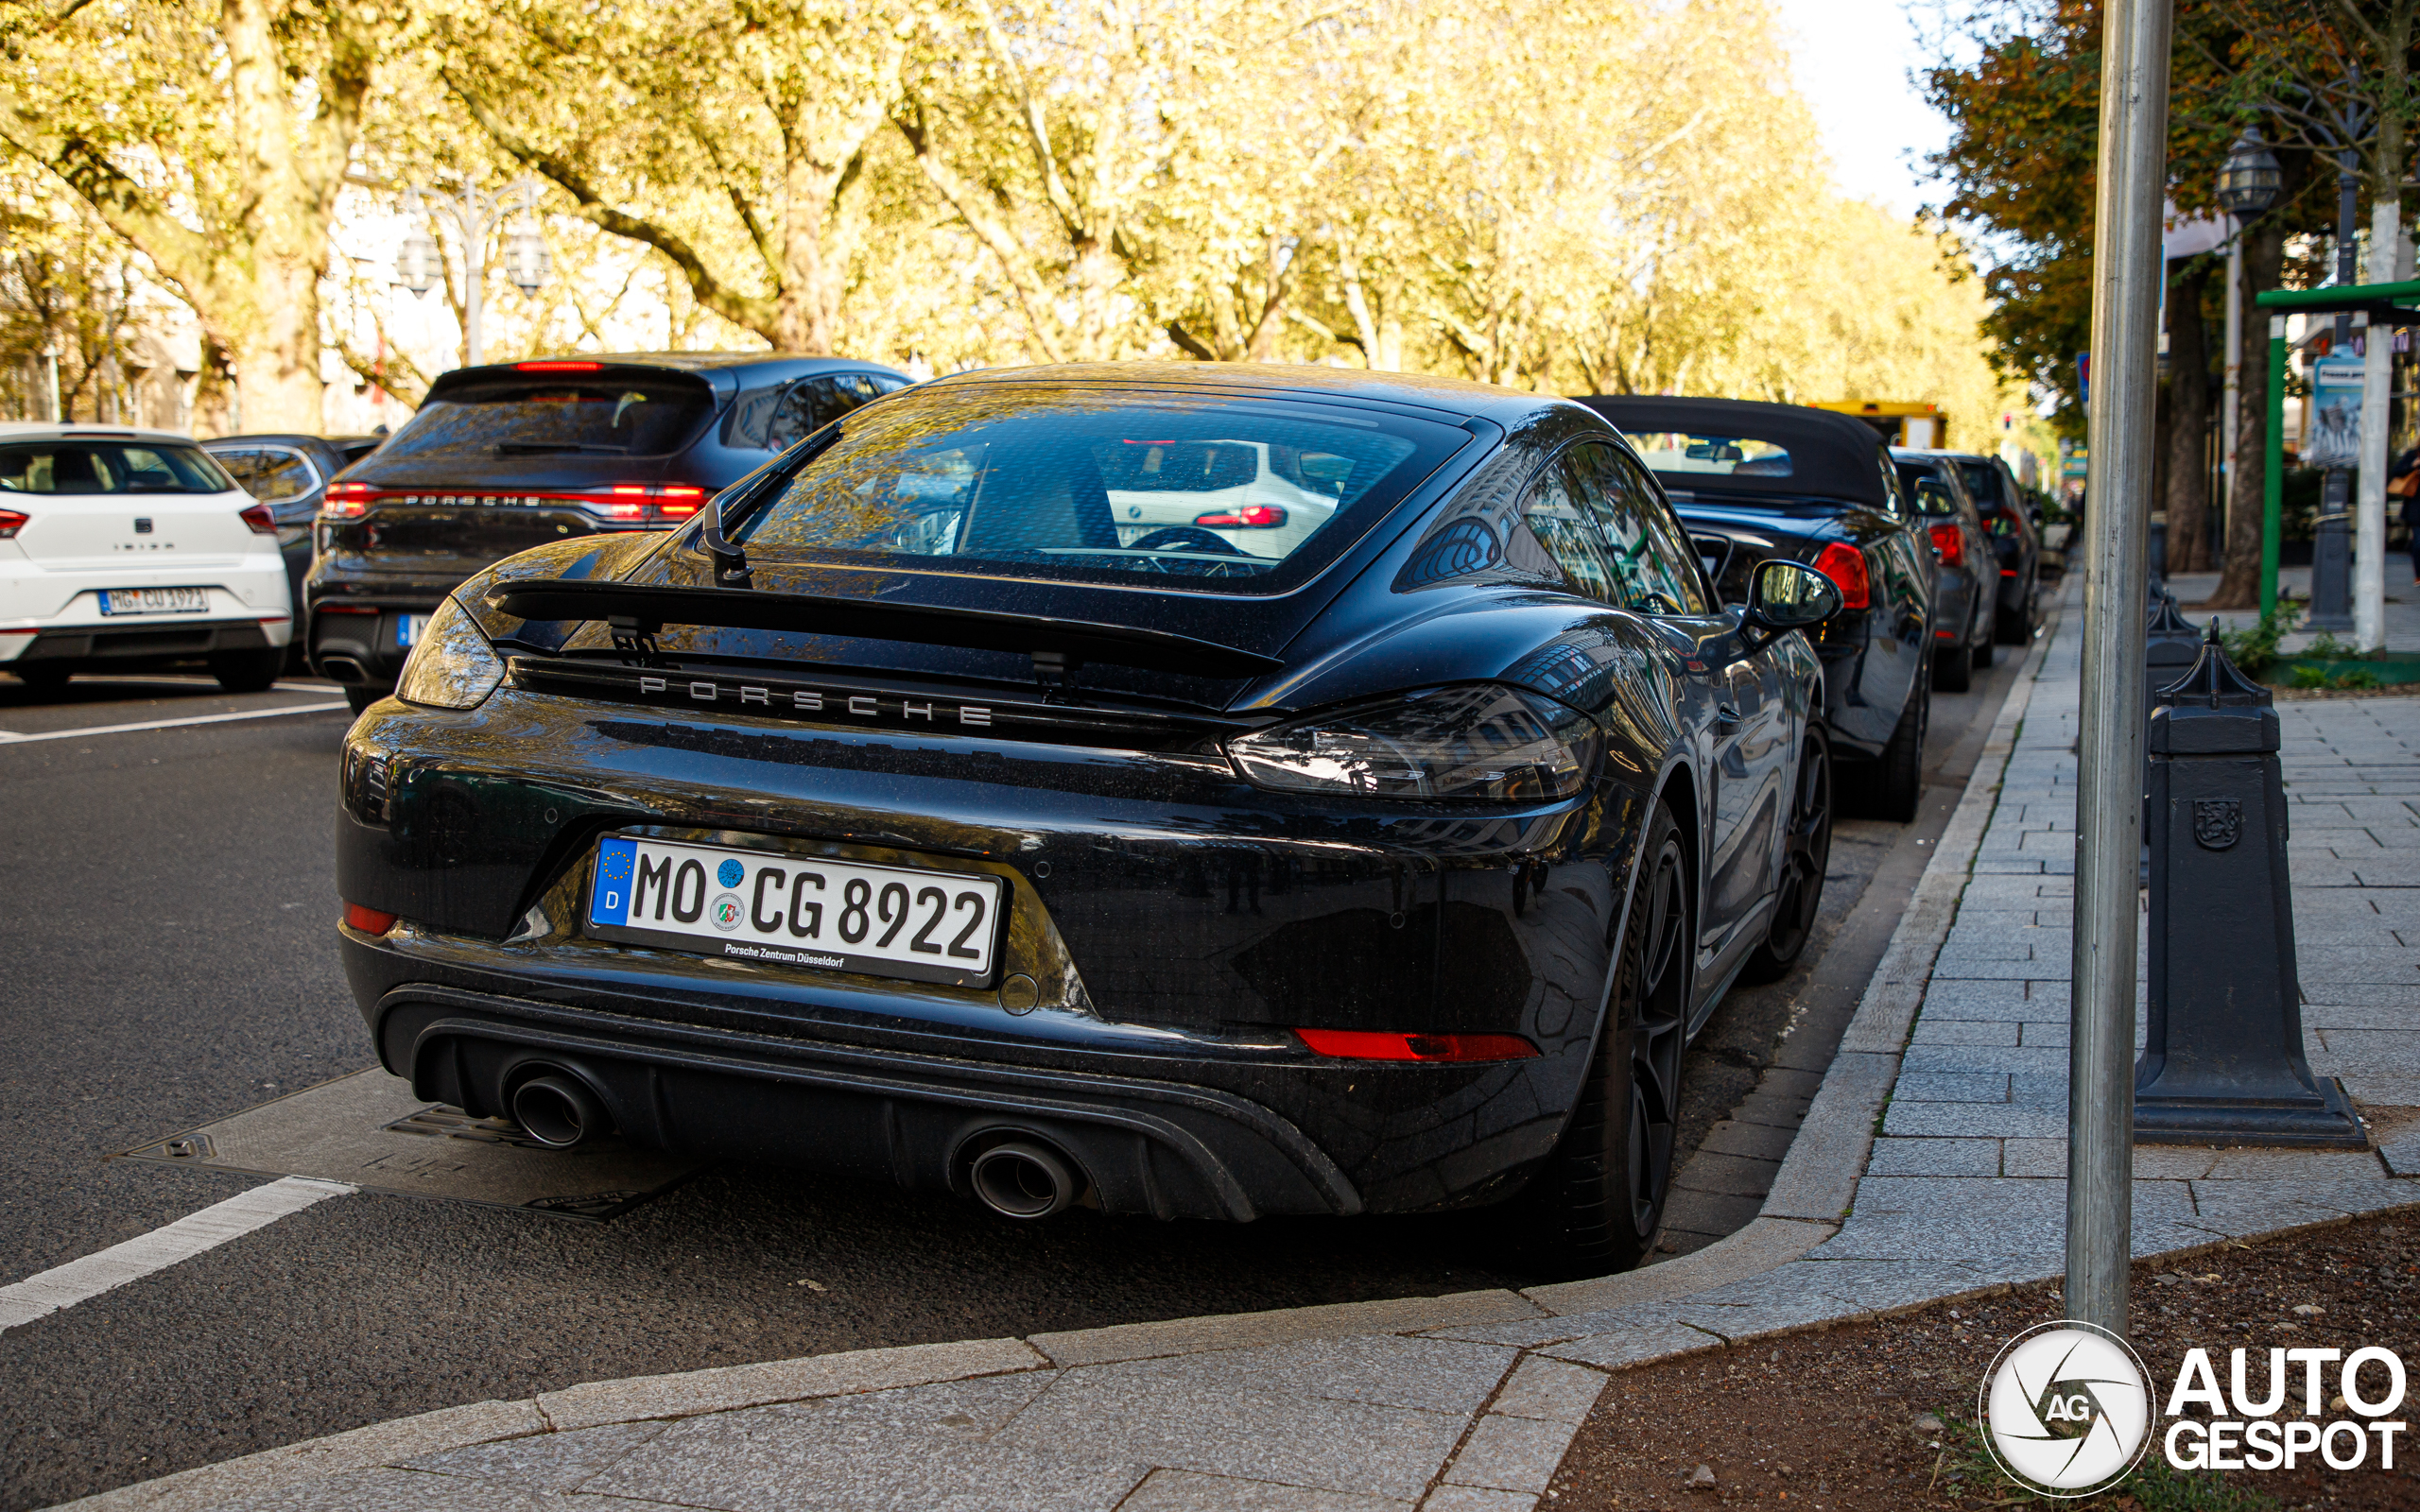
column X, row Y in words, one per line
column 762, row 905
column 408, row 628
column 154, row 600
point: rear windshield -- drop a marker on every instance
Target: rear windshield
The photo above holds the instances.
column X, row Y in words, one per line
column 610, row 416
column 1984, row 482
column 1930, row 490
column 1224, row 495
column 1728, row 455
column 108, row 467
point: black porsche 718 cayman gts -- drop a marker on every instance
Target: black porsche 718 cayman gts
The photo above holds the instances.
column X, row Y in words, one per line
column 1190, row 791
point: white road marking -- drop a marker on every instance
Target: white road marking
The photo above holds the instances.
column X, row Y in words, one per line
column 10, row 738
column 82, row 1280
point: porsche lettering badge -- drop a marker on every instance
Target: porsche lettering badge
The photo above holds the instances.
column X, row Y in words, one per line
column 808, row 700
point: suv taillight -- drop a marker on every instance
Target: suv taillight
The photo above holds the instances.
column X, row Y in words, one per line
column 258, row 520
column 10, row 523
column 1251, row 517
column 1846, row 566
column 641, row 503
column 347, row 501
column 1949, row 544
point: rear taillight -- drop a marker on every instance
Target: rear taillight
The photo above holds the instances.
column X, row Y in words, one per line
column 10, row 523
column 1364, row 1045
column 258, row 520
column 368, row 921
column 1949, row 544
column 1251, row 517
column 1846, row 566
column 346, row 500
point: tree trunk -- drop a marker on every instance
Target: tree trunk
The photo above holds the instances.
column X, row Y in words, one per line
column 270, row 320
column 2264, row 255
column 2189, row 425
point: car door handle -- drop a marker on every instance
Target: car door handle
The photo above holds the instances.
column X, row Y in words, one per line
column 1726, row 717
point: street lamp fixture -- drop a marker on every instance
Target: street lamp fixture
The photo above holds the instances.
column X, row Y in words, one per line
column 527, row 265
column 2249, row 179
column 526, row 260
column 416, row 264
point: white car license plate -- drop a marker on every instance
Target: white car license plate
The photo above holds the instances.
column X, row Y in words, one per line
column 408, row 628
column 787, row 910
column 155, row 600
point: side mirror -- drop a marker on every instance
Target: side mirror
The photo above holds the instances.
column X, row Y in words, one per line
column 1788, row 596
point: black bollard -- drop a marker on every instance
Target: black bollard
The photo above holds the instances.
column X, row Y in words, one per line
column 2169, row 645
column 2223, row 1062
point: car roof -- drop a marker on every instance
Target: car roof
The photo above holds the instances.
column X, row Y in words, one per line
column 32, row 429
column 1459, row 397
column 285, row 439
column 1831, row 455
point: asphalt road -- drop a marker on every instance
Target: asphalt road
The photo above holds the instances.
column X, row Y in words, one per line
column 165, row 961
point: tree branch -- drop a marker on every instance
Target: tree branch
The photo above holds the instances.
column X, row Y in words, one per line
column 739, row 309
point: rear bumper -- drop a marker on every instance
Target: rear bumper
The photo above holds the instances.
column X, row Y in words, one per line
column 142, row 639
column 363, row 650
column 1147, row 1147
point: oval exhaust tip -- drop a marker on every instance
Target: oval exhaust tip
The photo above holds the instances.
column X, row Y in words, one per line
column 558, row 1110
column 1023, row 1180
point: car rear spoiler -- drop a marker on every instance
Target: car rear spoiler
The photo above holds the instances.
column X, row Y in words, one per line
column 1057, row 646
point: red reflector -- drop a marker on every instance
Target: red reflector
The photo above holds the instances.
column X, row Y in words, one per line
column 2007, row 572
column 557, row 367
column 1949, row 543
column 1251, row 517
column 1364, row 1045
column 368, row 921
column 348, row 608
column 259, row 521
column 10, row 523
column 1846, row 566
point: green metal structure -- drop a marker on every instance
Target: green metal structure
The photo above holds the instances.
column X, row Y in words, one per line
column 2386, row 304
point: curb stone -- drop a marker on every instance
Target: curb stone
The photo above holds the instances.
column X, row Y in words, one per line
column 1751, row 1284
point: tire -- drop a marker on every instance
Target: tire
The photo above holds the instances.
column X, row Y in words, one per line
column 1896, row 782
column 247, row 671
column 359, row 698
column 48, row 675
column 1805, row 856
column 1954, row 673
column 1984, row 651
column 1597, row 1204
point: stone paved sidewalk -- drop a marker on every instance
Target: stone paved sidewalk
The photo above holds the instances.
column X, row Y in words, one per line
column 1467, row 1404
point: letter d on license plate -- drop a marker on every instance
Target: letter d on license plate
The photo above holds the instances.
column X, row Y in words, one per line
column 924, row 926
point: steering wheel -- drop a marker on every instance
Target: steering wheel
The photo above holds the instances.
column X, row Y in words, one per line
column 1191, row 537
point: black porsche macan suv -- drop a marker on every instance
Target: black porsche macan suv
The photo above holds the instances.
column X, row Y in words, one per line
column 934, row 810
column 501, row 459
column 1753, row 482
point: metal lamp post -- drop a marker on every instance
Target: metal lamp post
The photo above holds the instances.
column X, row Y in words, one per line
column 475, row 214
column 2331, row 557
column 2248, row 184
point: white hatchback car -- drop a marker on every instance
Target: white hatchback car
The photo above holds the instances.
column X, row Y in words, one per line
column 124, row 548
column 1250, row 498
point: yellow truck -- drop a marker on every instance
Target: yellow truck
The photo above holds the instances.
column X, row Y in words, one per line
column 1901, row 424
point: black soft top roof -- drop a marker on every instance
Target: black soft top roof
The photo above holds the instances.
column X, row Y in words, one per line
column 1831, row 455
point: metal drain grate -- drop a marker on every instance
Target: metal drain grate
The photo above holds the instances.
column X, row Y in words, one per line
column 453, row 1124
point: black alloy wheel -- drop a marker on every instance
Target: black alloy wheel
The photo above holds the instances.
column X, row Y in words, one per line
column 1596, row 1206
column 2016, row 628
column 247, row 671
column 1807, row 853
column 1984, row 648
